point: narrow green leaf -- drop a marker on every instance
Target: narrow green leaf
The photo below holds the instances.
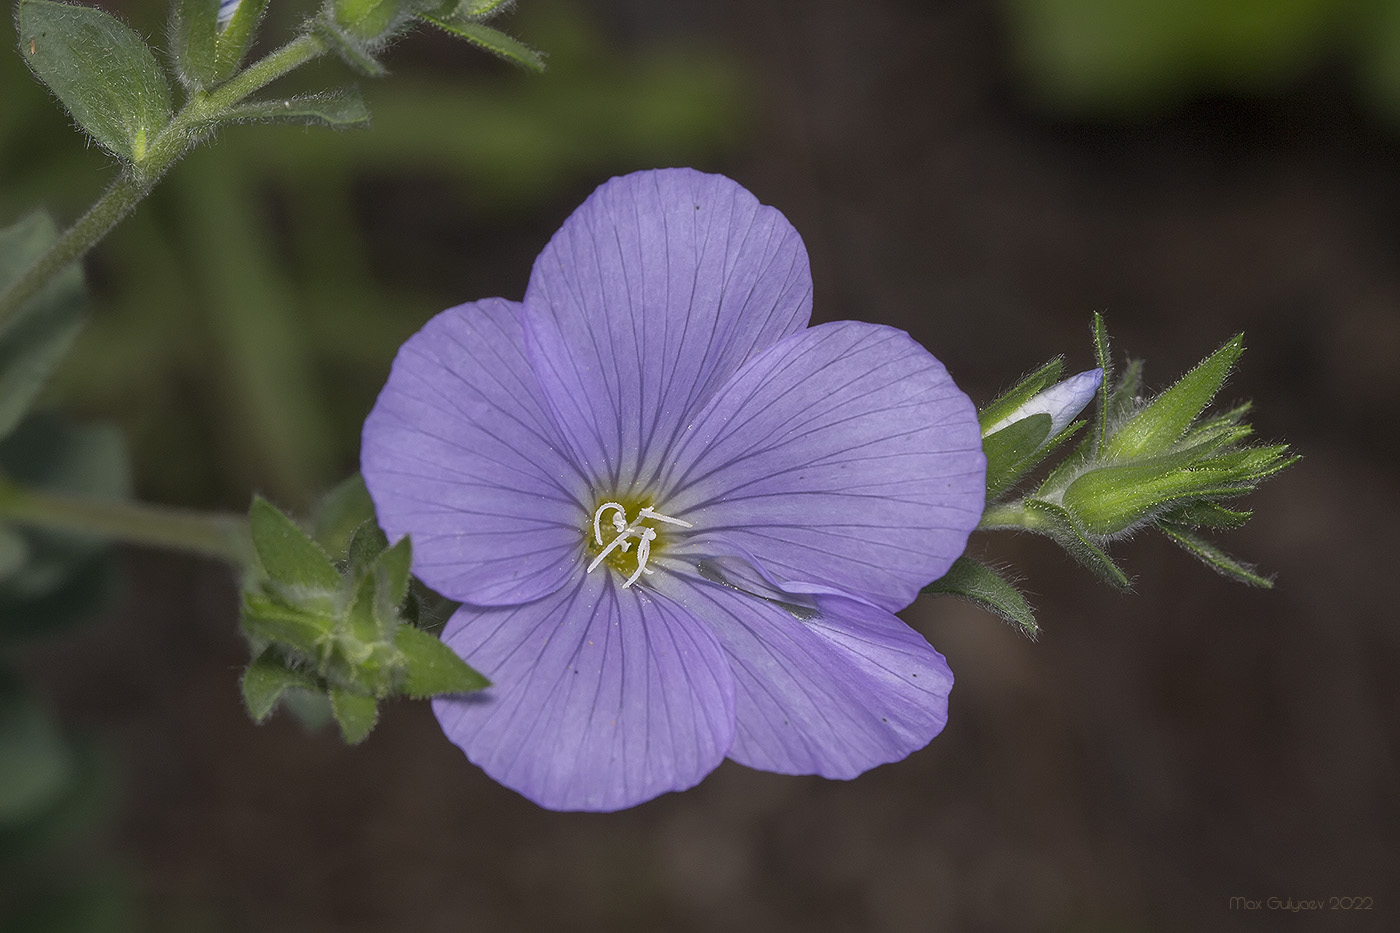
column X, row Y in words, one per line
column 194, row 38
column 34, row 342
column 492, row 40
column 339, row 110
column 974, row 581
column 236, row 36
column 288, row 555
column 1212, row 556
column 1166, row 418
column 432, row 668
column 266, row 679
column 1020, row 393
column 1207, row 515
column 1104, row 355
column 362, row 619
column 101, row 71
column 1012, row 451
column 36, row 764
column 355, row 712
column 1062, row 527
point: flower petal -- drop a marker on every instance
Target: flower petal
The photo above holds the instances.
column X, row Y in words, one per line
column 834, row 690
column 460, row 451
column 842, row 456
column 603, row 697
column 647, row 299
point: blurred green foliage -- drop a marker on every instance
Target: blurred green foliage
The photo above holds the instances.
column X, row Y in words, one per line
column 1123, row 57
column 244, row 317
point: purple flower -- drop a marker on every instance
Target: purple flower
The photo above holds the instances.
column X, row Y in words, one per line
column 678, row 519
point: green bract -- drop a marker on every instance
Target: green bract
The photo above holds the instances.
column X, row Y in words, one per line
column 341, row 628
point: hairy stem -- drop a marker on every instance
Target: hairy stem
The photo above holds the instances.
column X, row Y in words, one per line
column 214, row 534
column 200, row 113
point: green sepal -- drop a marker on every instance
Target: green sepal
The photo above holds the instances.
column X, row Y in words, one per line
column 366, row 544
column 1060, row 525
column 288, row 555
column 431, row 668
column 268, row 620
column 1207, row 515
column 33, row 343
column 1025, row 389
column 1163, row 422
column 341, row 110
column 357, row 53
column 1126, row 394
column 1212, row 556
column 36, row 764
column 100, row 70
column 1009, row 449
column 976, row 582
column 394, row 573
column 482, row 10
column 194, row 42
column 356, row 713
column 340, row 513
column 235, row 38
column 492, row 40
column 266, row 680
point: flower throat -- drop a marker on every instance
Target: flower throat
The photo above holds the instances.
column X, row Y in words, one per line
column 610, row 519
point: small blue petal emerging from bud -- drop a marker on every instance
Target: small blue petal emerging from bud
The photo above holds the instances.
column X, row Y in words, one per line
column 1062, row 402
column 226, row 10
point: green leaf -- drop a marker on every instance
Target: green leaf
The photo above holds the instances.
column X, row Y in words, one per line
column 337, row 109
column 1212, row 556
column 194, row 40
column 36, row 765
column 33, row 342
column 492, row 40
column 288, row 555
column 1023, row 391
column 1061, row 526
column 265, row 681
column 432, row 668
column 355, row 712
column 974, row 581
column 101, row 71
column 1162, row 423
column 340, row 513
column 236, row 36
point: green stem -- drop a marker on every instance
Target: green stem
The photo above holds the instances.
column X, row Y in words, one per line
column 215, row 534
column 200, row 113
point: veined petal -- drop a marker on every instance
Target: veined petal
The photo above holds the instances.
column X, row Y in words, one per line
column 842, row 456
column 603, row 697
column 834, row 690
column 652, row 294
column 460, row 451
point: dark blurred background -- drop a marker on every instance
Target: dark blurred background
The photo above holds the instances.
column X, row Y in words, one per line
column 981, row 174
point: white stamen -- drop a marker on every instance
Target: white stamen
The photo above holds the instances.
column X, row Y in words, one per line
column 625, row 531
column 619, row 520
